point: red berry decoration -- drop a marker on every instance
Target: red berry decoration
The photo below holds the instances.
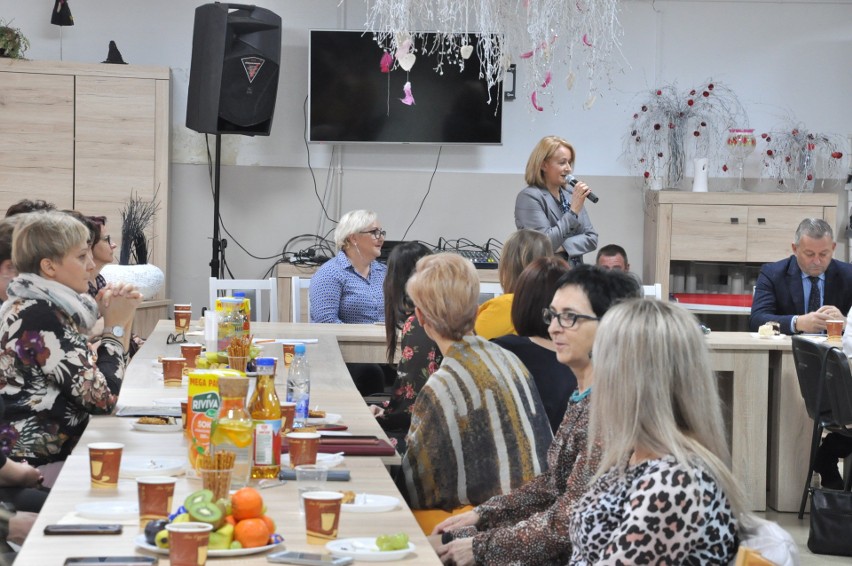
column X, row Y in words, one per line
column 656, row 126
column 692, row 93
column 725, row 168
column 642, row 160
column 810, row 177
column 690, row 102
column 787, row 159
column 644, row 108
column 795, row 132
column 764, row 135
column 638, row 138
column 705, row 94
column 659, row 92
column 696, row 133
column 836, row 154
column 770, row 153
column 671, row 126
column 769, row 139
column 703, row 124
column 633, row 133
column 710, row 86
column 647, row 174
column 659, row 154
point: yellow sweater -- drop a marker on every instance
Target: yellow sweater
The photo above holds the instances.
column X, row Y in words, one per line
column 494, row 318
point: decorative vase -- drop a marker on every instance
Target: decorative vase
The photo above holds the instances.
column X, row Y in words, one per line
column 149, row 279
column 699, row 181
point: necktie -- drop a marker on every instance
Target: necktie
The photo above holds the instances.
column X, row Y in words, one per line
column 813, row 299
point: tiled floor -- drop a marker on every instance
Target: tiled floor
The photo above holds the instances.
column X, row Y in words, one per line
column 799, row 530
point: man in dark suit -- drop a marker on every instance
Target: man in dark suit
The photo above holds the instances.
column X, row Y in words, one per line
column 808, row 288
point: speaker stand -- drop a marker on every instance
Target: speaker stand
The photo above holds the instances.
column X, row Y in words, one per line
column 215, row 262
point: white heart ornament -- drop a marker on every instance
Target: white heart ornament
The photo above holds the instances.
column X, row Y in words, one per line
column 466, row 51
column 407, row 61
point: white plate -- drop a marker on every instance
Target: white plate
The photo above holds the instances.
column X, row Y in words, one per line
column 365, row 549
column 142, row 543
column 108, row 510
column 137, row 467
column 371, row 503
column 335, row 433
column 330, row 460
column 778, row 337
column 177, row 427
column 170, row 401
column 329, row 418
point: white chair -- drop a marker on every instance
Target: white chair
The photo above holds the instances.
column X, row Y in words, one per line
column 297, row 285
column 654, row 291
column 259, row 286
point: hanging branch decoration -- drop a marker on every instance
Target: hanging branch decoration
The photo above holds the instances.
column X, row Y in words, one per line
column 671, row 126
column 549, row 37
column 796, row 157
column 136, row 216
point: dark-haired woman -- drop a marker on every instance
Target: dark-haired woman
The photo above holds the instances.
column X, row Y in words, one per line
column 533, row 291
column 419, row 355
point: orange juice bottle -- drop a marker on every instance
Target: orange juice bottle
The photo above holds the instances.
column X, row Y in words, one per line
column 265, row 409
column 232, row 429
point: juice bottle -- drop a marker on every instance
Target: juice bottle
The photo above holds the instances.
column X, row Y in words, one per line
column 265, row 409
column 232, row 429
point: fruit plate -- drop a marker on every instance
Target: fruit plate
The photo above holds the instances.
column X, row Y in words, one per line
column 108, row 510
column 329, row 418
column 330, row 460
column 176, row 427
column 138, row 467
column 371, row 503
column 365, row 549
column 142, row 543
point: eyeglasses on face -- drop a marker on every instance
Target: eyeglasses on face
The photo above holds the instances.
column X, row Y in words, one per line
column 376, row 232
column 107, row 239
column 564, row 319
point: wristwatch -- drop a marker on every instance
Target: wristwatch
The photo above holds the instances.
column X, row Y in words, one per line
column 117, row 331
column 793, row 324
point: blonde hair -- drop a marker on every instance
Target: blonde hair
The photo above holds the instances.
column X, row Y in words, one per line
column 520, row 249
column 655, row 390
column 41, row 235
column 543, row 151
column 351, row 223
column 445, row 288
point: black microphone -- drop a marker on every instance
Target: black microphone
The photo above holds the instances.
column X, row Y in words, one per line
column 572, row 180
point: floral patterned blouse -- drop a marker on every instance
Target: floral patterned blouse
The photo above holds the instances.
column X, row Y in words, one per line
column 50, row 381
column 419, row 358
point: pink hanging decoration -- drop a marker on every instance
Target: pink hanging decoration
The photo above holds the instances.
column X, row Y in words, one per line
column 547, row 79
column 586, row 40
column 386, row 62
column 535, row 104
column 409, row 98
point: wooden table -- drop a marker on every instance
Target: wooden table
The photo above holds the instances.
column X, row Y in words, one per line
column 331, row 388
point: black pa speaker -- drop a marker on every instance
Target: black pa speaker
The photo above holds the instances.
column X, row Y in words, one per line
column 233, row 80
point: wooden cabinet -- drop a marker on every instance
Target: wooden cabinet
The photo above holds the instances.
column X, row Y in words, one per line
column 725, row 227
column 86, row 136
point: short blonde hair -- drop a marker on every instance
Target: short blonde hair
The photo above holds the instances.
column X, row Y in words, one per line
column 543, row 151
column 520, row 249
column 351, row 223
column 655, row 389
column 41, row 235
column 445, row 288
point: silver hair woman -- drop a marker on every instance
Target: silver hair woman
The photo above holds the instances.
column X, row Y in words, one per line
column 658, row 416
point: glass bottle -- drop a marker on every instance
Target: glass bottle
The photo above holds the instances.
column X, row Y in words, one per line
column 230, row 322
column 232, row 429
column 265, row 409
column 299, row 386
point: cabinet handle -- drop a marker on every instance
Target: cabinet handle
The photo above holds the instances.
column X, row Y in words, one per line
column 761, row 220
column 735, row 220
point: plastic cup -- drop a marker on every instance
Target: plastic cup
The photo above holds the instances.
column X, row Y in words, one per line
column 310, row 477
column 835, row 329
column 104, row 464
column 303, row 447
column 190, row 352
column 288, row 414
column 188, row 543
column 322, row 514
column 155, row 498
column 217, row 481
column 173, row 371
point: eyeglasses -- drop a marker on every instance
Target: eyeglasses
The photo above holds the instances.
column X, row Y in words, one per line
column 107, row 239
column 377, row 233
column 564, row 319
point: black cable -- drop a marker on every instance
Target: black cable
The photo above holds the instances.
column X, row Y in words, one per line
column 308, row 149
column 428, row 190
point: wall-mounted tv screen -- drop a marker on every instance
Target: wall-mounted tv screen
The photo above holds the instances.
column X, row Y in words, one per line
column 352, row 100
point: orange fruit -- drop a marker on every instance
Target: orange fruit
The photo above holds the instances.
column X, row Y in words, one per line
column 230, row 520
column 252, row 533
column 270, row 524
column 246, row 503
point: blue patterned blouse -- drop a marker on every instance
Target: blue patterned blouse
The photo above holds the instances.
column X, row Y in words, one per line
column 339, row 294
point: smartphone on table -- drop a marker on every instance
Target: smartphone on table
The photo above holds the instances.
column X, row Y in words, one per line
column 83, row 529
column 307, row 559
column 111, row 560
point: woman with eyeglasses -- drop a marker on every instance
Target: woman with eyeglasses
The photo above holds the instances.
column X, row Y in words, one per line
column 347, row 289
column 530, row 525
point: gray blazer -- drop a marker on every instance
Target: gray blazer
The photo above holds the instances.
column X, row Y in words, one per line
column 536, row 209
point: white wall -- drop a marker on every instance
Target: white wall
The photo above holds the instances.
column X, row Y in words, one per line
column 781, row 57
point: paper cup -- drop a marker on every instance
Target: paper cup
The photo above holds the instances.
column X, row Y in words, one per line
column 190, row 352
column 322, row 514
column 104, row 464
column 173, row 371
column 289, row 354
column 303, row 447
column 188, row 543
column 835, row 329
column 183, row 314
column 155, row 498
column 288, row 413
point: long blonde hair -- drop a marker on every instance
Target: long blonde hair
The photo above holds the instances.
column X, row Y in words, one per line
column 655, row 390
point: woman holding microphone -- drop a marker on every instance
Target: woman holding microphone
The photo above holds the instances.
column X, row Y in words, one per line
column 549, row 205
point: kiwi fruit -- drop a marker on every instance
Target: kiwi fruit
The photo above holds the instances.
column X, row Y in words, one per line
column 207, row 512
column 196, row 497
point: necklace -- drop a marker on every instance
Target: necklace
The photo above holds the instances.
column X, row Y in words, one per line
column 576, row 397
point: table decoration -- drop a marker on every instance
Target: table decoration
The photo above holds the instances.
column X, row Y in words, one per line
column 795, row 157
